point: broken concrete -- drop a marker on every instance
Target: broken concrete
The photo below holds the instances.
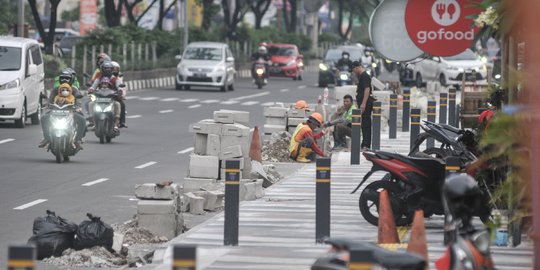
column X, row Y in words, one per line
column 230, row 152
column 196, row 203
column 194, row 184
column 153, row 192
column 201, row 143
column 213, row 145
column 161, row 225
column 157, row 206
column 206, row 126
column 203, row 166
column 277, row 148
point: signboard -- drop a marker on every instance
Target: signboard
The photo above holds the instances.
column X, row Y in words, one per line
column 388, row 33
column 441, row 27
column 88, row 16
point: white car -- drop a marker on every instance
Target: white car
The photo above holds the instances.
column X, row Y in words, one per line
column 21, row 80
column 450, row 70
column 206, row 64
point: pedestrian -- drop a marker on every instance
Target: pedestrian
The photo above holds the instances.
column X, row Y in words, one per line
column 342, row 122
column 364, row 100
column 303, row 145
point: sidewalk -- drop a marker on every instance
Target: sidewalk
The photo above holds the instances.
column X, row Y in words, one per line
column 278, row 230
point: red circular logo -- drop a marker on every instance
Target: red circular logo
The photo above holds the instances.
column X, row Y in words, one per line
column 441, row 27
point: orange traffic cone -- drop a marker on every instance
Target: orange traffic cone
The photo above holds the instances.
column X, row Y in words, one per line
column 255, row 148
column 417, row 240
column 387, row 226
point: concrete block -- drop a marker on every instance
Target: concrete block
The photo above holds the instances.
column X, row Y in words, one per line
column 206, row 126
column 213, row 145
column 224, row 117
column 248, row 190
column 183, row 204
column 227, row 141
column 274, row 128
column 293, row 121
column 234, row 130
column 201, row 143
column 247, row 166
column 157, row 206
column 275, row 111
column 203, row 166
column 179, row 223
column 259, row 191
column 276, row 121
column 194, row 184
column 214, row 200
column 118, row 241
column 298, row 113
column 160, row 225
column 153, row 192
column 241, row 117
column 196, row 203
column 231, row 152
column 222, row 174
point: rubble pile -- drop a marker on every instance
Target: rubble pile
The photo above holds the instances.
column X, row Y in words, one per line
column 277, row 148
column 96, row 257
column 272, row 175
column 133, row 234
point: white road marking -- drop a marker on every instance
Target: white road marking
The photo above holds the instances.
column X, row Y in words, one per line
column 133, row 199
column 95, row 182
column 249, row 103
column 170, row 99
column 187, row 150
column 229, row 102
column 134, row 116
column 189, row 100
column 252, row 96
column 208, row 101
column 132, row 97
column 194, row 106
column 266, row 104
column 301, row 87
column 6, row 140
column 148, row 98
column 30, row 204
column 284, row 90
column 166, row 111
column 146, row 165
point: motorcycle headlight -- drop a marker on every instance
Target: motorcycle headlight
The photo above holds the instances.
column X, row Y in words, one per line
column 388, row 61
column 484, row 59
column 301, row 64
column 9, row 85
column 290, row 63
column 368, row 72
column 498, row 76
column 60, row 123
column 374, row 65
column 323, row 67
column 343, row 77
column 108, row 108
column 259, row 71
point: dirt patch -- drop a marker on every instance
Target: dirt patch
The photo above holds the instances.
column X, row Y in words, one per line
column 277, row 148
column 96, row 257
column 133, row 234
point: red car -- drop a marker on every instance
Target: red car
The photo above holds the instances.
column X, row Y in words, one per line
column 286, row 61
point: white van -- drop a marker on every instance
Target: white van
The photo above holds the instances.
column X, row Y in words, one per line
column 21, row 80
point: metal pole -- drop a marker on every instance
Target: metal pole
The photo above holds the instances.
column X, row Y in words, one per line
column 376, row 127
column 415, row 126
column 322, row 204
column 452, row 107
column 21, row 257
column 458, row 115
column 232, row 200
column 355, row 136
column 186, row 25
column 20, row 22
column 452, row 167
column 392, row 126
column 443, row 106
column 184, row 257
column 406, row 109
column 431, row 116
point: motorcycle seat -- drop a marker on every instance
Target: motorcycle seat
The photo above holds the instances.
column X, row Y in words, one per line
column 388, row 259
column 434, row 168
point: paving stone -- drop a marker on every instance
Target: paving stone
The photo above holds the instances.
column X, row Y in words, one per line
column 243, row 141
column 213, row 145
column 241, row 117
column 201, row 143
column 276, row 121
column 196, row 203
column 206, row 126
column 293, row 121
column 203, row 166
column 157, row 206
column 234, row 130
column 269, row 129
column 229, row 152
column 194, row 184
column 275, row 111
column 298, row 113
column 224, row 117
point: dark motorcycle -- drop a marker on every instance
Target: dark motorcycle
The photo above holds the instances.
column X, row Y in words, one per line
column 104, row 114
column 412, row 183
column 260, row 73
column 343, row 76
column 62, row 132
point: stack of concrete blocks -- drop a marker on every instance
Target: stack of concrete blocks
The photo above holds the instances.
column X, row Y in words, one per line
column 158, row 209
column 276, row 121
column 295, row 117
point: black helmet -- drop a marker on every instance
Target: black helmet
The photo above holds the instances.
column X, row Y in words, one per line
column 107, row 68
column 66, row 76
column 461, row 196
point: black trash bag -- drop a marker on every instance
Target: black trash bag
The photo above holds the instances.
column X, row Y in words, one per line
column 94, row 232
column 52, row 235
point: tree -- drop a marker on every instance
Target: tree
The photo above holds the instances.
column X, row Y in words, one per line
column 290, row 17
column 361, row 9
column 259, row 8
column 232, row 19
column 209, row 11
column 113, row 12
column 71, row 15
column 48, row 39
column 8, row 18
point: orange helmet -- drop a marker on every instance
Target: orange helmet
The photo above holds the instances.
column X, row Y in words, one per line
column 317, row 117
column 301, row 104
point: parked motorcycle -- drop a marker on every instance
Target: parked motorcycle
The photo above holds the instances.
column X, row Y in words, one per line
column 412, row 183
column 104, row 114
column 62, row 132
column 343, row 76
column 260, row 73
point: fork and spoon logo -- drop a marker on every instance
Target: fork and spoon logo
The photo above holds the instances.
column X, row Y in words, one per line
column 445, row 12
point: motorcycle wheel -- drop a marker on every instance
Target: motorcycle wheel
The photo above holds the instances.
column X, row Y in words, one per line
column 102, row 139
column 370, row 198
column 58, row 151
column 108, row 139
column 259, row 85
column 66, row 158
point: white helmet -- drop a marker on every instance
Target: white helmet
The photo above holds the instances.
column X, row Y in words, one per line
column 116, row 66
column 261, row 49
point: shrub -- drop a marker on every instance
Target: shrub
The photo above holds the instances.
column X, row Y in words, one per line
column 53, row 65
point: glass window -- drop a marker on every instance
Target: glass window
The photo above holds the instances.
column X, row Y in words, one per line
column 36, row 55
column 212, row 54
column 466, row 55
column 10, row 58
column 335, row 54
column 282, row 51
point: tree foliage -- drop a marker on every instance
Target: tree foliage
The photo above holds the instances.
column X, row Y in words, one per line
column 259, row 8
column 233, row 17
column 48, row 39
column 209, row 11
column 9, row 10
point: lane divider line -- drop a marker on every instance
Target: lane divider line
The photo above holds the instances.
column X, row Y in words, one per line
column 134, row 116
column 166, row 111
column 194, row 106
column 169, row 99
column 284, row 90
column 301, row 87
column 187, row 150
column 266, row 104
column 189, row 100
column 30, row 204
column 91, row 183
column 229, row 102
column 148, row 98
column 252, row 96
column 146, row 165
column 249, row 103
column 208, row 101
column 6, row 140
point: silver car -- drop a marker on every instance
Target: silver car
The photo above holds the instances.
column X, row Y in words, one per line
column 206, row 64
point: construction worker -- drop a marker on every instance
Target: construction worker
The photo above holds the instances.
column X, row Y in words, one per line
column 301, row 104
column 303, row 146
column 342, row 122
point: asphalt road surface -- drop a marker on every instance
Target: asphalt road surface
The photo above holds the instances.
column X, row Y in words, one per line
column 100, row 179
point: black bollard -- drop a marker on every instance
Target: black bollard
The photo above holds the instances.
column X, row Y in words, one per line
column 415, row 126
column 322, row 204
column 406, row 109
column 376, row 126
column 361, row 258
column 452, row 107
column 184, row 257
column 452, row 167
column 21, row 257
column 431, row 116
column 458, row 115
column 232, row 196
column 443, row 107
column 356, row 130
column 392, row 125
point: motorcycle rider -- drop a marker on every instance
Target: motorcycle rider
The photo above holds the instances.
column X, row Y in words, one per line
column 342, row 120
column 64, row 95
column 119, row 81
column 102, row 57
column 345, row 60
column 261, row 53
column 303, row 146
column 104, row 83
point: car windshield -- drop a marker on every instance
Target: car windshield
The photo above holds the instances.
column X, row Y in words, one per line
column 198, row 53
column 281, row 51
column 68, row 42
column 466, row 55
column 335, row 54
column 10, row 58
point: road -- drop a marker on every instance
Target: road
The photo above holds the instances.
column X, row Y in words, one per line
column 101, row 178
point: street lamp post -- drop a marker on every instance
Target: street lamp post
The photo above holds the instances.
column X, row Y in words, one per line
column 20, row 23
column 186, row 25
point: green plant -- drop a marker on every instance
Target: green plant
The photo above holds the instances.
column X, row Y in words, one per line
column 328, row 37
column 52, row 65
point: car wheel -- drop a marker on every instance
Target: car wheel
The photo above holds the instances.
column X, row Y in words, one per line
column 179, row 87
column 322, row 84
column 231, row 86
column 187, row 87
column 299, row 77
column 21, row 121
column 442, row 80
column 419, row 82
column 36, row 117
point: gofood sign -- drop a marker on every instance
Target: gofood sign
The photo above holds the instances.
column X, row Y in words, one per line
column 441, row 27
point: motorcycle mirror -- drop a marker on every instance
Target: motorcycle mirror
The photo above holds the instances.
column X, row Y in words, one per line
column 88, row 84
column 86, row 75
column 122, row 85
